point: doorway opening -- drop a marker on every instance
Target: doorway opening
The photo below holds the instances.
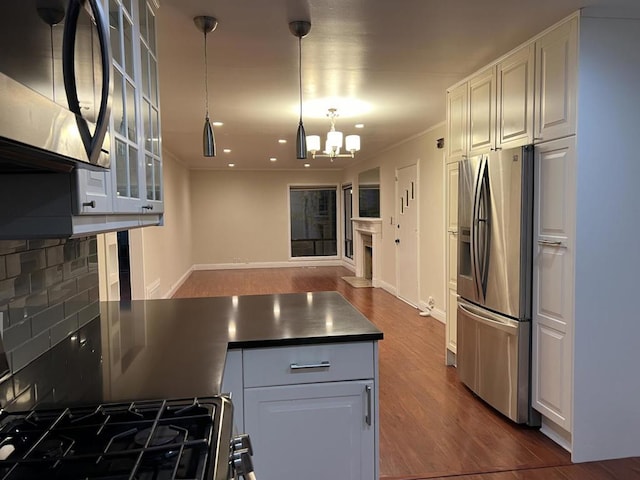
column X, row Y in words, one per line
column 124, row 266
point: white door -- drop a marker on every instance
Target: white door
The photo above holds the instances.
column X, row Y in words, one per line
column 316, row 431
column 407, row 234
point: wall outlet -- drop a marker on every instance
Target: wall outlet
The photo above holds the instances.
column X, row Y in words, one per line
column 431, row 302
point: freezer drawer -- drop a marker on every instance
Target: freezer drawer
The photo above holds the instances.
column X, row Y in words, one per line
column 493, row 359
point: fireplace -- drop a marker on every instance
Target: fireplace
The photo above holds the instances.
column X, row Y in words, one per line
column 367, row 234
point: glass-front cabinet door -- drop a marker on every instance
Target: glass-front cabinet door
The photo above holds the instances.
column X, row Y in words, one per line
column 136, row 161
column 150, row 106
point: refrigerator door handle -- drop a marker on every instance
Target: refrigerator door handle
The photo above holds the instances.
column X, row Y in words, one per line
column 494, row 323
column 485, row 196
column 474, row 232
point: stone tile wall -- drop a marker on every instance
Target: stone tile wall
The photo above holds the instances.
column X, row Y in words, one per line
column 48, row 289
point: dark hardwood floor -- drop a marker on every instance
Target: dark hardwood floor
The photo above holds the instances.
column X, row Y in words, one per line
column 431, row 426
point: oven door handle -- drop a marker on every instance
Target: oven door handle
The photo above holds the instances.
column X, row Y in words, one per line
column 92, row 143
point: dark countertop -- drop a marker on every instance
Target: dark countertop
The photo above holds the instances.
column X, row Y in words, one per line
column 176, row 348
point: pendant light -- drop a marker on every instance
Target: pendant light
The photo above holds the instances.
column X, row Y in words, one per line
column 206, row 24
column 300, row 28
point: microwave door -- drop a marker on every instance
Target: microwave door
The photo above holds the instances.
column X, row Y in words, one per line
column 84, row 27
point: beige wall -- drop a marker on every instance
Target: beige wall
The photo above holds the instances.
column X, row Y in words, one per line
column 166, row 250
column 242, row 216
column 420, row 150
column 226, row 217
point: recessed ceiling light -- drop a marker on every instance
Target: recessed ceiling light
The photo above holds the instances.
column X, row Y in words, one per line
column 282, row 140
column 227, row 150
column 359, row 125
column 217, row 124
column 307, row 165
column 232, row 164
column 273, row 159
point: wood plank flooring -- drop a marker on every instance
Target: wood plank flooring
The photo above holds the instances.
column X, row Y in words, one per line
column 431, row 426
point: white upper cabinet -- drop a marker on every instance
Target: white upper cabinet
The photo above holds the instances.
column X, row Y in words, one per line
column 515, row 80
column 555, row 84
column 482, row 111
column 457, row 123
column 94, row 191
column 135, row 129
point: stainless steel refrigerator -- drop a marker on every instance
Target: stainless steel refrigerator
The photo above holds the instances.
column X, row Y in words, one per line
column 495, row 221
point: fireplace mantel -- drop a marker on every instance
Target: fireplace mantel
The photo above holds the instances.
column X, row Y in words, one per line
column 363, row 228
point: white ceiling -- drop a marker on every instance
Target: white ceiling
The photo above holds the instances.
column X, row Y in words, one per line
column 395, row 56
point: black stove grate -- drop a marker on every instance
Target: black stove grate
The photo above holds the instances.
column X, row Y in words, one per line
column 146, row 440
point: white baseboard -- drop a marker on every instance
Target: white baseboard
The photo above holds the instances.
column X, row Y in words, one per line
column 151, row 290
column 286, row 264
column 439, row 315
column 433, row 312
column 388, row 287
column 348, row 264
column 556, row 433
column 179, row 283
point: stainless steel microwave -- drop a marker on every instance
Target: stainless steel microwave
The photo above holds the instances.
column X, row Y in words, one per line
column 55, row 85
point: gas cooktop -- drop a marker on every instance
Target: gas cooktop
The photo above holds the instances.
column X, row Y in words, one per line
column 145, row 440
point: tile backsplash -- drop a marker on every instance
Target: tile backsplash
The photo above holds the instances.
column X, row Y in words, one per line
column 48, row 289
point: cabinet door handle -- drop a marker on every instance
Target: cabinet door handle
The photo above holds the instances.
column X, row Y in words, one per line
column 91, row 204
column 367, row 417
column 307, row 366
column 551, row 243
column 147, row 207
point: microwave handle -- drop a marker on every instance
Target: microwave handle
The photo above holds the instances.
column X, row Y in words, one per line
column 92, row 144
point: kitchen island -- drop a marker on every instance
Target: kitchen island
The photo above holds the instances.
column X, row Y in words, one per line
column 307, row 362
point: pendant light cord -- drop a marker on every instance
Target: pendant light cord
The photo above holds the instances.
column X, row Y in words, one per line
column 300, row 72
column 206, row 76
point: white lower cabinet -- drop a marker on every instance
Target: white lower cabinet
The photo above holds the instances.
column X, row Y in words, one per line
column 311, row 410
column 313, row 431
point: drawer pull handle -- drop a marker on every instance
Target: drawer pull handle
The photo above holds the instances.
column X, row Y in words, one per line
column 367, row 417
column 307, row 366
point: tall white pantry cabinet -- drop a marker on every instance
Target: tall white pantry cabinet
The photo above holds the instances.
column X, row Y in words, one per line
column 572, row 91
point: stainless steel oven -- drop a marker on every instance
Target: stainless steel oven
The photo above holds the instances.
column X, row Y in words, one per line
column 55, row 84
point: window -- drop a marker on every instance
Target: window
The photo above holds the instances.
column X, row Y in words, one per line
column 347, row 202
column 313, row 221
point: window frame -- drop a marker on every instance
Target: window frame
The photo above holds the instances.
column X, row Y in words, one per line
column 338, row 217
column 345, row 257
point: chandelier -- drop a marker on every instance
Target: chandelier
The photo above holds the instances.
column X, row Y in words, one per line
column 333, row 143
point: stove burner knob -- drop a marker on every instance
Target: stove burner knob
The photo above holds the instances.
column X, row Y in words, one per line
column 241, row 441
column 242, row 463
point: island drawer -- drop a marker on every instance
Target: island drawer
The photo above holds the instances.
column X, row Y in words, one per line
column 328, row 362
